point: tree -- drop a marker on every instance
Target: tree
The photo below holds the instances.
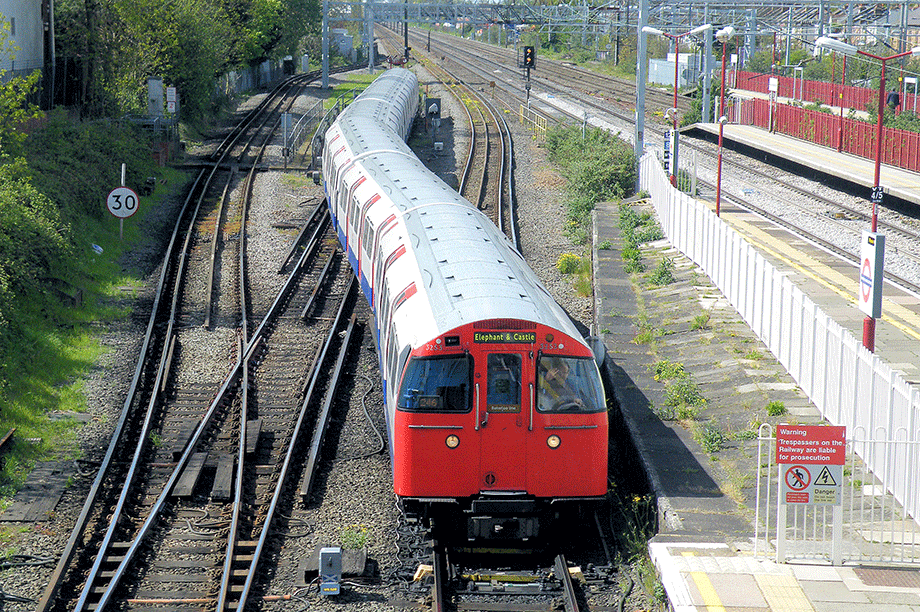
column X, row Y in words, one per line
column 14, row 93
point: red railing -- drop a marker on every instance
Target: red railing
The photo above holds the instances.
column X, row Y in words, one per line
column 832, row 94
column 900, row 148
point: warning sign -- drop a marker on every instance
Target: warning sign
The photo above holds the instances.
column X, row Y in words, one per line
column 810, row 444
column 811, row 459
column 825, row 479
column 798, row 478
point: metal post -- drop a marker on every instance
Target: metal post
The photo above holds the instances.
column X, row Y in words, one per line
column 369, row 28
column 721, row 121
column 707, row 70
column 406, row 30
column 641, row 77
column 325, row 78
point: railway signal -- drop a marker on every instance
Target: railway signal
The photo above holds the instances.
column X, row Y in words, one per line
column 528, row 61
column 530, row 57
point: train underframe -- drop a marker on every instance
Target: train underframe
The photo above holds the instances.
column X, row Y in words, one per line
column 493, row 518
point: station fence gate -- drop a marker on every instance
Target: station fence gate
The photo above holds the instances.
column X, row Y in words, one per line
column 868, row 526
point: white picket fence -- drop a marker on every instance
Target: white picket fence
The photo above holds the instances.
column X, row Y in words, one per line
column 849, row 384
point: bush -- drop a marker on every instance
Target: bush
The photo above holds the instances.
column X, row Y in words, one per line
column 597, row 166
column 664, row 273
column 568, row 263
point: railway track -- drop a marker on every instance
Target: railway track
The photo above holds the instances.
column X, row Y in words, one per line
column 849, row 218
column 198, row 471
column 550, row 73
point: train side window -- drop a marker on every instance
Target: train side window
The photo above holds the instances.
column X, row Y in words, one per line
column 437, row 384
column 504, row 382
column 569, row 384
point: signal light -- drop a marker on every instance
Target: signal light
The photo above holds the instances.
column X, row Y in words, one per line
column 530, row 57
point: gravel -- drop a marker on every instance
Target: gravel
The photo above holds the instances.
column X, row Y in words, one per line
column 356, row 492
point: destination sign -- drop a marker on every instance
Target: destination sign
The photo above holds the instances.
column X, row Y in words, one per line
column 504, row 337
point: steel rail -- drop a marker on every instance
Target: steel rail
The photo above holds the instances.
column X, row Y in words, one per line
column 212, row 268
column 181, row 264
column 504, row 170
column 439, row 587
column 149, row 417
column 293, row 446
column 236, row 512
column 570, row 601
column 317, row 211
column 115, row 442
column 231, row 377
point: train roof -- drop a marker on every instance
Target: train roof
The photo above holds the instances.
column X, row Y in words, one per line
column 469, row 269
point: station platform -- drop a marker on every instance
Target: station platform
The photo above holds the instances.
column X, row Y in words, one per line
column 704, row 550
column 899, row 183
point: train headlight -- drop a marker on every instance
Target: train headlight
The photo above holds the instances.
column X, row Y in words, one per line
column 452, row 441
column 553, row 441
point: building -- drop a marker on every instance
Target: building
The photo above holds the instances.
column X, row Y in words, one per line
column 27, row 31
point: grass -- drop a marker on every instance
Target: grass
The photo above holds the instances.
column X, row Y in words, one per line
column 776, row 408
column 45, row 375
column 354, row 537
column 664, row 273
column 710, row 438
column 700, row 322
column 580, row 270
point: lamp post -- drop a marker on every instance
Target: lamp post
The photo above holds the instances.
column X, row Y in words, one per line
column 676, row 38
column 723, row 36
column 832, row 44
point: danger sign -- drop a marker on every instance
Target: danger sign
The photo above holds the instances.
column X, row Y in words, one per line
column 811, row 459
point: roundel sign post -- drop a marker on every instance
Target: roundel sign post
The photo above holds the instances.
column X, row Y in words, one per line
column 122, row 202
column 871, row 269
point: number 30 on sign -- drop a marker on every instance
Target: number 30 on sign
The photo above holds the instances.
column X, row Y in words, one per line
column 122, row 202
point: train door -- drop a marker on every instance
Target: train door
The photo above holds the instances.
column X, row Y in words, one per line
column 502, row 412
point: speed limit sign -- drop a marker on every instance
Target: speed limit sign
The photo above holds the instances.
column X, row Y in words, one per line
column 122, row 202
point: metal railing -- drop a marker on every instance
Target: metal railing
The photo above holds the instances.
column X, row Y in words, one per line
column 534, row 121
column 868, row 526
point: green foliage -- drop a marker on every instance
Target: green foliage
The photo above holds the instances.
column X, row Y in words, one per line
column 568, row 263
column 186, row 42
column 598, row 166
column 354, row 537
column 700, row 322
column 710, row 438
column 776, row 408
column 51, row 198
column 665, row 369
column 605, row 245
column 14, row 92
column 682, row 392
column 664, row 273
column 60, row 153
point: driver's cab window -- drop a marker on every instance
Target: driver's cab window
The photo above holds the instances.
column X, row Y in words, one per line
column 504, row 389
column 568, row 384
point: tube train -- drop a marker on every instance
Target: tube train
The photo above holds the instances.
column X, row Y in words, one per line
column 495, row 407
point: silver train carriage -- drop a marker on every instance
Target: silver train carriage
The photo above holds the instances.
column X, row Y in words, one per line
column 471, row 345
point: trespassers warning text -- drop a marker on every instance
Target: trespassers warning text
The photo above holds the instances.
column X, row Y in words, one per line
column 810, row 444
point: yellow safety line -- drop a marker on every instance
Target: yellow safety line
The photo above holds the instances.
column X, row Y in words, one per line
column 900, row 311
column 707, row 590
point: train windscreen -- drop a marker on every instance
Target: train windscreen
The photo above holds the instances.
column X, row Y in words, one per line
column 437, row 384
column 568, row 384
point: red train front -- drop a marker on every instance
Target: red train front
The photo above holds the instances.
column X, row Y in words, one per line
column 502, row 421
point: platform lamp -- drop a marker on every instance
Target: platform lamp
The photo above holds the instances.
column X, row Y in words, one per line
column 832, row 44
column 673, row 112
column 723, row 36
